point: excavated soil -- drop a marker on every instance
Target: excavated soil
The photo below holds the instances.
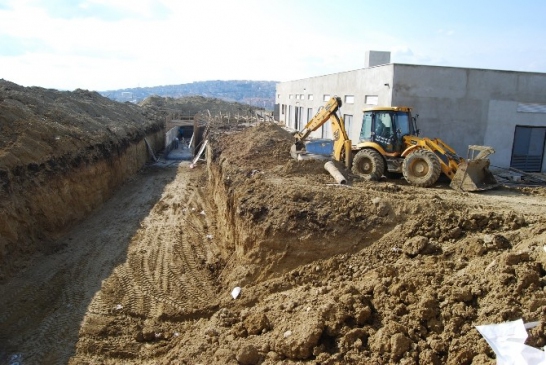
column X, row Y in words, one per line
column 62, row 154
column 369, row 273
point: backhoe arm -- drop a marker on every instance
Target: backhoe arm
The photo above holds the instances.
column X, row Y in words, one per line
column 342, row 143
column 319, row 119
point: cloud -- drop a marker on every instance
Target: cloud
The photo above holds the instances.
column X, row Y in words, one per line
column 12, row 46
column 110, row 11
column 109, row 44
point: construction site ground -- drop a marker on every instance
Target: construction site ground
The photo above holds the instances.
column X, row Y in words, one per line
column 373, row 272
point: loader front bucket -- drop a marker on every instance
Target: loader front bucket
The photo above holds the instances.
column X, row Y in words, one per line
column 474, row 175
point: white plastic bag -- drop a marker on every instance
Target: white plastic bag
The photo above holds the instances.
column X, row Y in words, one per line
column 508, row 341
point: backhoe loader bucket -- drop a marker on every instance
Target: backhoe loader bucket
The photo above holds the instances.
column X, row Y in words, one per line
column 312, row 150
column 474, row 175
column 296, row 150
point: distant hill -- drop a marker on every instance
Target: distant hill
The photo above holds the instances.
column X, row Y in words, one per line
column 254, row 93
column 188, row 106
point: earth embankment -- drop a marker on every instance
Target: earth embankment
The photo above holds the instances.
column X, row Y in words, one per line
column 62, row 154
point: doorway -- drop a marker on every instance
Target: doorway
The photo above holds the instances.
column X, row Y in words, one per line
column 528, row 148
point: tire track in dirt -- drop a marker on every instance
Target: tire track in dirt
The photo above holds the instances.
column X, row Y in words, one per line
column 44, row 305
column 165, row 272
column 164, row 278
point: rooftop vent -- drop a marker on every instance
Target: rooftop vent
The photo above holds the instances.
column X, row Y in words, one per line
column 376, row 58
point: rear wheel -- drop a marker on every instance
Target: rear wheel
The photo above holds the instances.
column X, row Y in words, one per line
column 421, row 168
column 369, row 164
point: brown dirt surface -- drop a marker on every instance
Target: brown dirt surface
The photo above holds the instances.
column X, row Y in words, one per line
column 373, row 272
column 51, row 143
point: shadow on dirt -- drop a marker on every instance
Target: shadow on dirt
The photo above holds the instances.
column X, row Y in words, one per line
column 44, row 305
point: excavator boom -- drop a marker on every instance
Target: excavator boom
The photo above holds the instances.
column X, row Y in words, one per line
column 319, row 119
column 342, row 143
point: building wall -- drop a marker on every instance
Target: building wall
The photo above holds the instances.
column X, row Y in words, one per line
column 503, row 118
column 358, row 83
column 470, row 106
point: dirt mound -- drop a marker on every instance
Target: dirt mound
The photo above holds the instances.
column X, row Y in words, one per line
column 53, row 146
column 377, row 272
column 59, row 129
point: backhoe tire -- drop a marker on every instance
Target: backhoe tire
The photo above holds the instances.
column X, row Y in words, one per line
column 421, row 168
column 368, row 164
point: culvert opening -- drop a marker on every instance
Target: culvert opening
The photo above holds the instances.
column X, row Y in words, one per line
column 184, row 139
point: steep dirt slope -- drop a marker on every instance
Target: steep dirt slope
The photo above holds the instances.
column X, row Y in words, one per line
column 62, row 154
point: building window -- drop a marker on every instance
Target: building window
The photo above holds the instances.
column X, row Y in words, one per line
column 326, row 97
column 309, row 114
column 348, row 120
column 302, row 96
column 283, row 109
column 310, row 96
column 290, row 117
column 290, row 96
column 278, row 96
column 371, row 99
column 326, row 131
column 531, row 108
column 349, row 99
column 528, row 148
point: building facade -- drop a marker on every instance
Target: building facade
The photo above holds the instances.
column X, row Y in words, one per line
column 462, row 106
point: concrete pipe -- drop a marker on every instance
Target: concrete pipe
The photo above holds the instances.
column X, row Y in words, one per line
column 336, row 174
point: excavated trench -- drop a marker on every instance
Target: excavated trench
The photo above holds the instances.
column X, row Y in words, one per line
column 272, row 225
column 366, row 273
column 43, row 202
column 62, row 154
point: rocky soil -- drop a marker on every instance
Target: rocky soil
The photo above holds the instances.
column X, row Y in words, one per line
column 373, row 272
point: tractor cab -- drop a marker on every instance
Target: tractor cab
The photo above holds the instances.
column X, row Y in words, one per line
column 387, row 126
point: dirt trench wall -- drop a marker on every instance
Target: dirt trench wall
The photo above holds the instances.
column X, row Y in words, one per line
column 45, row 203
column 270, row 225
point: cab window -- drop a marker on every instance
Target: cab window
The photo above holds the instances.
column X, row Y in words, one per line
column 403, row 123
column 366, row 131
column 383, row 124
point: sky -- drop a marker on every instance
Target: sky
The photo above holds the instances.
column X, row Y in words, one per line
column 115, row 44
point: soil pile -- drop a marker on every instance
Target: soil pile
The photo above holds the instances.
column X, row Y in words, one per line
column 53, row 149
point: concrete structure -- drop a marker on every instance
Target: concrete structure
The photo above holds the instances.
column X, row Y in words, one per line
column 502, row 109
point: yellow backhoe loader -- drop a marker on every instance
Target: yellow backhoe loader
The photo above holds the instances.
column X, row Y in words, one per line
column 389, row 144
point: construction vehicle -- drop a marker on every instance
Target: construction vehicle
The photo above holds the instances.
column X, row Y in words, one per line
column 389, row 144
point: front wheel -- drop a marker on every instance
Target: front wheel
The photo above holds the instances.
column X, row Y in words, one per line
column 369, row 164
column 421, row 168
